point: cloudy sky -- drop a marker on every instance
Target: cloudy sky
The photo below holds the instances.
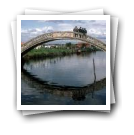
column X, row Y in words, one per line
column 33, row 28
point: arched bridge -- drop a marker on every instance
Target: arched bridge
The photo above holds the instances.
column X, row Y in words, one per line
column 47, row 37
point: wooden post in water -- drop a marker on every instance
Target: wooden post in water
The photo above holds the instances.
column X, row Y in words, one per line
column 94, row 78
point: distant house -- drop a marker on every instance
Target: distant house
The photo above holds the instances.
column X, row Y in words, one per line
column 54, row 46
column 22, row 43
column 82, row 45
column 47, row 46
column 38, row 47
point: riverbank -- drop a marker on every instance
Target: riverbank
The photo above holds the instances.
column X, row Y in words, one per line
column 53, row 52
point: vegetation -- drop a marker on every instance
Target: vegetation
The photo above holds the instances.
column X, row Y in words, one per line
column 68, row 45
column 48, row 52
column 93, row 48
column 67, row 49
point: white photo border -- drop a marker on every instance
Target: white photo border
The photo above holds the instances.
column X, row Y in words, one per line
column 63, row 107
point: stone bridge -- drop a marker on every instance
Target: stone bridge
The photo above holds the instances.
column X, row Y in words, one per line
column 47, row 37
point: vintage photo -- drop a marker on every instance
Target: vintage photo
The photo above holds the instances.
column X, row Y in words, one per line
column 63, row 62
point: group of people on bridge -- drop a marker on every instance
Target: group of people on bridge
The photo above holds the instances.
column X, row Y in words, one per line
column 81, row 30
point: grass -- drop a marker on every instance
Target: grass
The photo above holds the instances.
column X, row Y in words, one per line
column 52, row 52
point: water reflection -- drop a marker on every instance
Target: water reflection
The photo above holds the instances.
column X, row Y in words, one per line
column 37, row 89
column 73, row 70
column 77, row 93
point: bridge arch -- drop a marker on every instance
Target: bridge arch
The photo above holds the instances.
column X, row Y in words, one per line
column 47, row 37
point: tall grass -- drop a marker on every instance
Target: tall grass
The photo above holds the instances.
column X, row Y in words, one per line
column 52, row 52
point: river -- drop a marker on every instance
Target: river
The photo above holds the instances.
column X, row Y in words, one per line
column 67, row 80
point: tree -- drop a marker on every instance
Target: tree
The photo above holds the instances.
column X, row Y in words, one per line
column 69, row 44
column 83, row 45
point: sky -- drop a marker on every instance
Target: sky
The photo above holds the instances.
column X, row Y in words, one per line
column 33, row 28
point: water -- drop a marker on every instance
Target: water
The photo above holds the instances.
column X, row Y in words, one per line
column 66, row 80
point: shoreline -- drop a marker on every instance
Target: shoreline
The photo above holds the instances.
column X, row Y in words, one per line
column 54, row 52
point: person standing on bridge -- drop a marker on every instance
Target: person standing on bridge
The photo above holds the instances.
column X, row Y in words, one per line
column 75, row 29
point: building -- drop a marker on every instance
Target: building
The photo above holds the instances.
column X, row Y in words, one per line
column 47, row 46
column 82, row 45
column 22, row 43
column 38, row 47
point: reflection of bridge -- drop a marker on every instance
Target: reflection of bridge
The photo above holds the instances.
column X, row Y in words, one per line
column 76, row 93
column 26, row 47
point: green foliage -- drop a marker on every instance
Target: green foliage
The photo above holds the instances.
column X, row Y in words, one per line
column 52, row 52
column 69, row 44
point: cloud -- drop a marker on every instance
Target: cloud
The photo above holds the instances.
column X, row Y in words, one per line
column 51, row 21
column 64, row 27
column 27, row 34
column 95, row 28
column 96, row 31
column 24, row 31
